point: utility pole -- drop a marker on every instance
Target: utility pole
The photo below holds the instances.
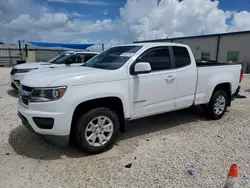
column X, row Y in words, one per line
column 20, row 50
column 26, row 50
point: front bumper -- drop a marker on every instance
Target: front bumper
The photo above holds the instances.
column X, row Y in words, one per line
column 61, row 141
column 25, row 122
column 60, row 131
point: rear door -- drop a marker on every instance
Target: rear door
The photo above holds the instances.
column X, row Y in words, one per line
column 186, row 75
column 154, row 92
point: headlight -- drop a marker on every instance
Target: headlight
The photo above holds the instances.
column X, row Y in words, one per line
column 47, row 94
column 24, row 70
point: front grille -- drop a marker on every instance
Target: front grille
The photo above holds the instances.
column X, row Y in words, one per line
column 25, row 93
column 13, row 71
column 26, row 88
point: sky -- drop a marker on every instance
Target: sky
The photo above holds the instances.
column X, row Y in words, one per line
column 115, row 22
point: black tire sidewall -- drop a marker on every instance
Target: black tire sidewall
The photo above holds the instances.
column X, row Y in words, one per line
column 212, row 103
column 82, row 125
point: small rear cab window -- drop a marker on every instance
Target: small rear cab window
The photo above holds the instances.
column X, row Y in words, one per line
column 182, row 57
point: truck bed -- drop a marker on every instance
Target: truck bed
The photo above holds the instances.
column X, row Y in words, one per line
column 212, row 74
column 213, row 64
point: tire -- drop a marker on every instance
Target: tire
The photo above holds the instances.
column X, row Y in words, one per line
column 88, row 126
column 213, row 110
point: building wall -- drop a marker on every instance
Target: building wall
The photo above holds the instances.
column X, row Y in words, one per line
column 198, row 45
column 31, row 56
column 239, row 42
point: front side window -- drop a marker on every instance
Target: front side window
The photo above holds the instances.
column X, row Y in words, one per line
column 74, row 59
column 60, row 58
column 158, row 58
column 182, row 57
column 88, row 57
column 113, row 58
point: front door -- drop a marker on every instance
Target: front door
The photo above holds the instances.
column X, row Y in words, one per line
column 77, row 60
column 154, row 92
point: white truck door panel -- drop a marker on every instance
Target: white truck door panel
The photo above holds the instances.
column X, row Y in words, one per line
column 187, row 76
column 186, row 86
column 153, row 92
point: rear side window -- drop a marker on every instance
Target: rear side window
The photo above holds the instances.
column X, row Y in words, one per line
column 158, row 58
column 182, row 57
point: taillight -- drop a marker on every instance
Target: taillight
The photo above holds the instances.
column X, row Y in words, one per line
column 241, row 75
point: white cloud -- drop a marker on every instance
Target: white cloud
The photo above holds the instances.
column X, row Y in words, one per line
column 86, row 2
column 241, row 21
column 84, row 27
column 139, row 20
column 21, row 23
column 48, row 21
column 25, row 22
column 47, row 26
column 171, row 18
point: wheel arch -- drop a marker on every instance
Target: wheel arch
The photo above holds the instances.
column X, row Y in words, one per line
column 227, row 87
column 113, row 103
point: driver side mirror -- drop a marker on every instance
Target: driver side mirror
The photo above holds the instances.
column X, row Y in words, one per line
column 142, row 68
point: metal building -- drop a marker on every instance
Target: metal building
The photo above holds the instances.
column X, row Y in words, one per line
column 223, row 47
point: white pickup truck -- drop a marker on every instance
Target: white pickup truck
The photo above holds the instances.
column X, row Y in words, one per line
column 62, row 60
column 91, row 103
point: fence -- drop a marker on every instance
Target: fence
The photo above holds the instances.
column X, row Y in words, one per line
column 46, row 54
column 9, row 56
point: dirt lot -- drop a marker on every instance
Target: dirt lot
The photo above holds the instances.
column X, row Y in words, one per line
column 161, row 149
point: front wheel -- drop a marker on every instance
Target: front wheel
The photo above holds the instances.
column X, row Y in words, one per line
column 217, row 105
column 97, row 130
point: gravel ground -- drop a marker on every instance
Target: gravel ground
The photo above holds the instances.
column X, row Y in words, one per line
column 161, row 149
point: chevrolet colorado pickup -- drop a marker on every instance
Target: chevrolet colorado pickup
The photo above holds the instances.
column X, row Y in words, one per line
column 91, row 103
column 62, row 60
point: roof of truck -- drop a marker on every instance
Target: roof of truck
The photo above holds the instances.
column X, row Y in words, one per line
column 87, row 52
column 82, row 52
column 154, row 44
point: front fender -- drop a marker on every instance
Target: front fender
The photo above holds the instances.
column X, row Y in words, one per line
column 83, row 93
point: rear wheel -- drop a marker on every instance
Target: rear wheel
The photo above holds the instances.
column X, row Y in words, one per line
column 217, row 105
column 97, row 130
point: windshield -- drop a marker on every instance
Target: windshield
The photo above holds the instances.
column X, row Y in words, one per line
column 113, row 58
column 60, row 58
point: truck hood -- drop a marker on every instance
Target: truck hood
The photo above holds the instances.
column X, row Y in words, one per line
column 32, row 65
column 66, row 76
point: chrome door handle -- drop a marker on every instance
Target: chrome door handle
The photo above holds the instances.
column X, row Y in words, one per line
column 169, row 79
